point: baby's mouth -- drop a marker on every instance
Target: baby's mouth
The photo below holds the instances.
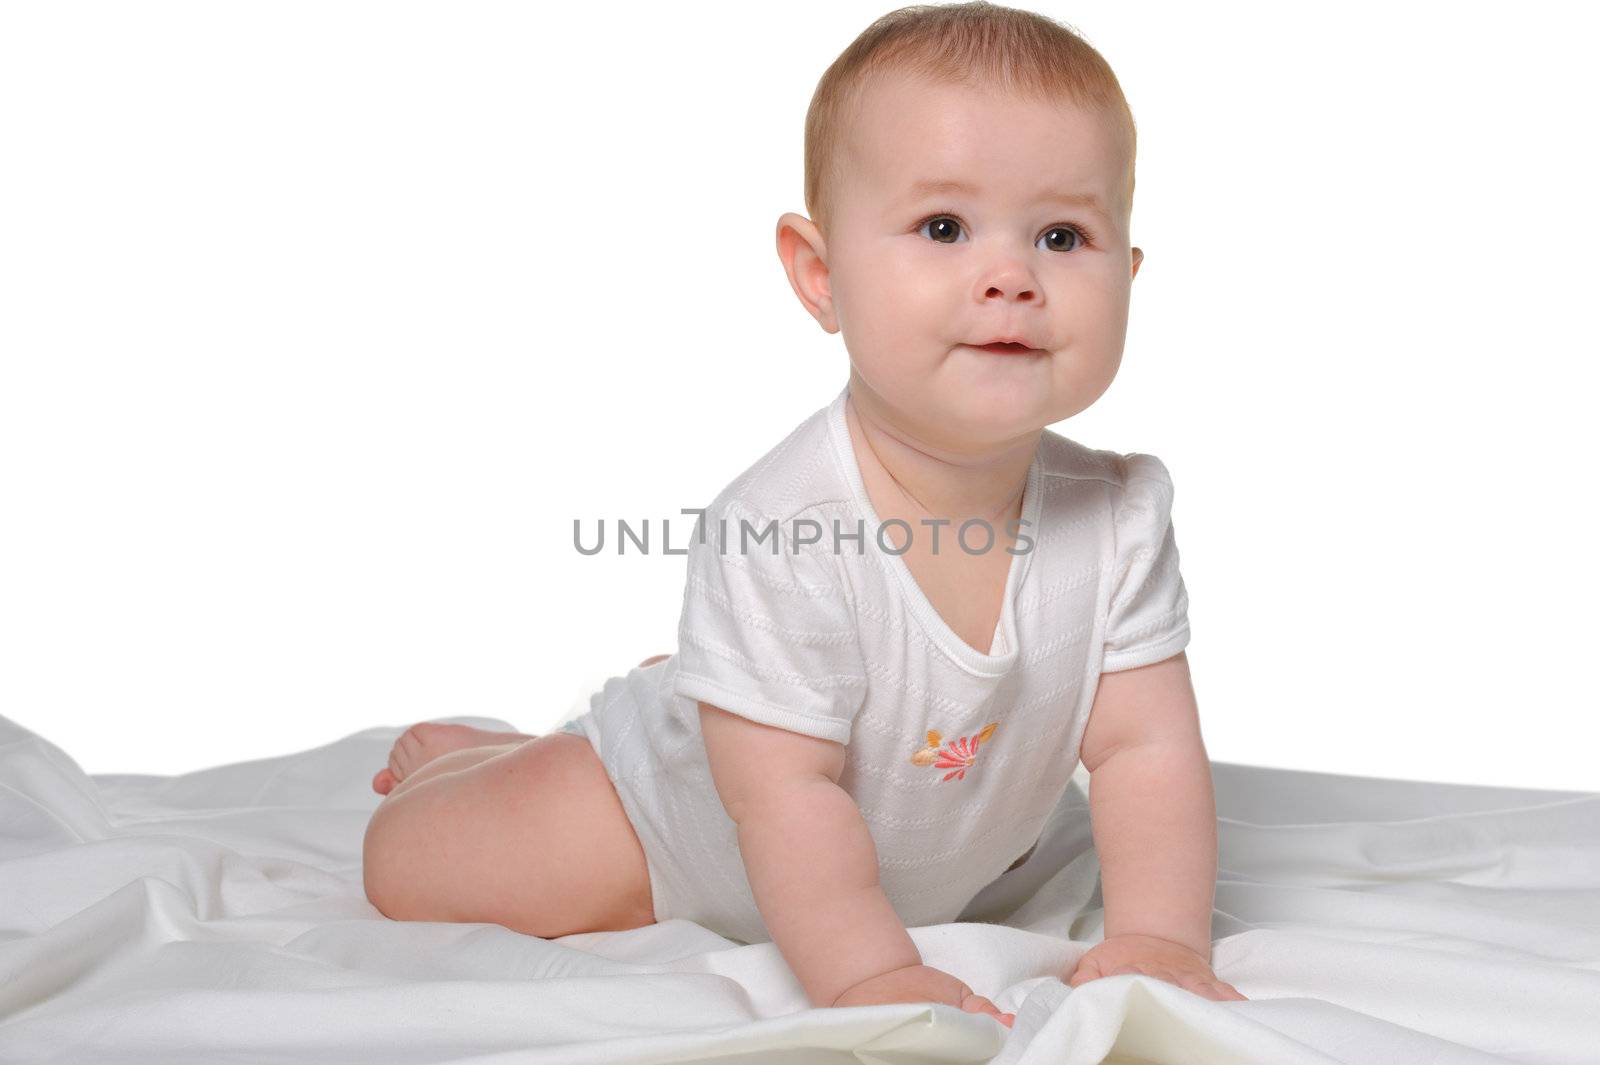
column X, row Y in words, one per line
column 1007, row 349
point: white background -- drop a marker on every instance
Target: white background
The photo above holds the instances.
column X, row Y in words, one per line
column 322, row 322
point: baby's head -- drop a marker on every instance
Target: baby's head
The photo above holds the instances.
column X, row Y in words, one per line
column 1031, row 119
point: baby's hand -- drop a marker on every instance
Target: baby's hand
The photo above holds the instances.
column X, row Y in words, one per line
column 920, row 983
column 1152, row 956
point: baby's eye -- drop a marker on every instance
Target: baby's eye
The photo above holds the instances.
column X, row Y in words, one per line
column 1078, row 239
column 1064, row 238
column 943, row 222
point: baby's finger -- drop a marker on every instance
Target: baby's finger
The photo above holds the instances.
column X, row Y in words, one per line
column 979, row 1004
column 1215, row 990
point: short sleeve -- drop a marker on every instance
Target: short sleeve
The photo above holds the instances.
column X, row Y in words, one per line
column 1148, row 617
column 768, row 634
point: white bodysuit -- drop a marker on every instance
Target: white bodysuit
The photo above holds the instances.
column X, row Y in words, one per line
column 955, row 758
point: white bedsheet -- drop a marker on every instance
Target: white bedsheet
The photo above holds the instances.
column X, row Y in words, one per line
column 219, row 916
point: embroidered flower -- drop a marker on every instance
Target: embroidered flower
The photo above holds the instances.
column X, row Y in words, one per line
column 957, row 755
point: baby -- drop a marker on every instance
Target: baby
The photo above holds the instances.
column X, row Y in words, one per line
column 907, row 622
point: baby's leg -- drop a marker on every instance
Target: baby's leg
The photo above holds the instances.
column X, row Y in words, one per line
column 531, row 836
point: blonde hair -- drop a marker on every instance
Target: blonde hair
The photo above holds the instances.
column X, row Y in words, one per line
column 969, row 43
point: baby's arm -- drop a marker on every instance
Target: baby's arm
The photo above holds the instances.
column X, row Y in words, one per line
column 808, row 855
column 1151, row 805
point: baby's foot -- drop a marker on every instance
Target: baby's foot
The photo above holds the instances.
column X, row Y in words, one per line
column 427, row 740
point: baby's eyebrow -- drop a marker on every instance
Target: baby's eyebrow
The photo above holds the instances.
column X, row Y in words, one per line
column 934, row 186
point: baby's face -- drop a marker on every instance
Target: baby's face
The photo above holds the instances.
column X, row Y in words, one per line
column 916, row 275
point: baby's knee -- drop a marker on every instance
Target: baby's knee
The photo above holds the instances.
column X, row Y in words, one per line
column 375, row 860
column 389, row 858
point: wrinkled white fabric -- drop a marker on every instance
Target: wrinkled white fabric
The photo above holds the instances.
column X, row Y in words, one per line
column 219, row 916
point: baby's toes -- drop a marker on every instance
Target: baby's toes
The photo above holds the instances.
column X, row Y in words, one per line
column 427, row 740
column 412, row 749
column 421, row 744
column 408, row 752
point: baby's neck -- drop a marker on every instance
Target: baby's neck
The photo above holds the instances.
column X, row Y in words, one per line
column 910, row 480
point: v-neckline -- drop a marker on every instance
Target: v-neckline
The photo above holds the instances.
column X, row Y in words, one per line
column 938, row 630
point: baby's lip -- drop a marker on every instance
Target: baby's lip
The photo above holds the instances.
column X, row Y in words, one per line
column 1025, row 346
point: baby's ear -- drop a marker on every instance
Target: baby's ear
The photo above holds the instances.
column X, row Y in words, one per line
column 1138, row 257
column 802, row 251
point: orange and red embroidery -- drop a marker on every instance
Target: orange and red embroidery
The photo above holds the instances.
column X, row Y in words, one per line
column 957, row 755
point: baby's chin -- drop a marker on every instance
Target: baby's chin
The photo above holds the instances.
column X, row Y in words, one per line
column 990, row 411
column 1008, row 399
column 971, row 400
